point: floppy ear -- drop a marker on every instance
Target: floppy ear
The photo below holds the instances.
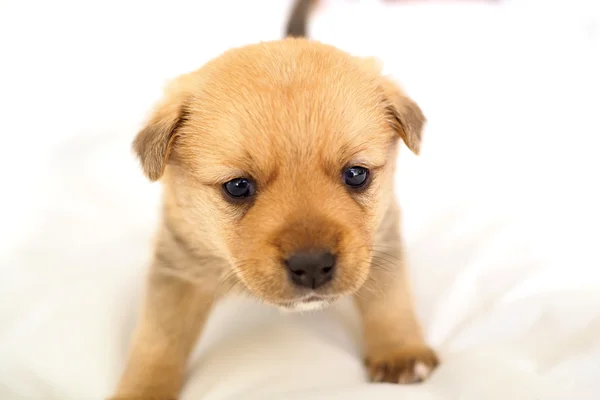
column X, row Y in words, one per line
column 404, row 114
column 153, row 144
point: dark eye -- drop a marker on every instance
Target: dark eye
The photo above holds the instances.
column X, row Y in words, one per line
column 239, row 188
column 356, row 177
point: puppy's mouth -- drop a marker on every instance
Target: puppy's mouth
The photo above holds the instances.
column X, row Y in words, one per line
column 312, row 298
column 307, row 303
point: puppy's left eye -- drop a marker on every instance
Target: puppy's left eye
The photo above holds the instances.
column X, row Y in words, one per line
column 356, row 177
column 239, row 188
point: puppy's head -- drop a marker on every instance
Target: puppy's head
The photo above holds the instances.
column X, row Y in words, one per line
column 279, row 156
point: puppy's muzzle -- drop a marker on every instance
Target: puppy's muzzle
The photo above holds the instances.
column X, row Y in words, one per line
column 311, row 269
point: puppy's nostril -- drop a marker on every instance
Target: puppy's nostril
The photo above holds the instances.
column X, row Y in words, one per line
column 312, row 268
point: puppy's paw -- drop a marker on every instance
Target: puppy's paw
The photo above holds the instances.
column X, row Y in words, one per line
column 410, row 364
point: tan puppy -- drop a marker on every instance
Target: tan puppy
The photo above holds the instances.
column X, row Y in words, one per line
column 277, row 161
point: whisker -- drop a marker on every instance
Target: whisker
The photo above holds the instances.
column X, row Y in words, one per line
column 377, row 292
column 382, row 253
column 389, row 263
column 228, row 278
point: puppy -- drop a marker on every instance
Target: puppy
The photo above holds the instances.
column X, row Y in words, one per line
column 277, row 161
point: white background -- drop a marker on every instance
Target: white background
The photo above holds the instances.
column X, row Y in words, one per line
column 500, row 211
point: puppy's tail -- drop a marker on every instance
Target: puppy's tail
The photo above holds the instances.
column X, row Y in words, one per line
column 298, row 21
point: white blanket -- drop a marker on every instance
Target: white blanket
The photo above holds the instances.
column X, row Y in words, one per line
column 500, row 211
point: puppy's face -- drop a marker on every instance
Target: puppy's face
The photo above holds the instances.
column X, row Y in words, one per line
column 281, row 156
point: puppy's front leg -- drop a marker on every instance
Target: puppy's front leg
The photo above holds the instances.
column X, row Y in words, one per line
column 395, row 350
column 173, row 315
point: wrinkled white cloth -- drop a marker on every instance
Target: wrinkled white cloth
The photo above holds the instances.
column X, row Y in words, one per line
column 500, row 211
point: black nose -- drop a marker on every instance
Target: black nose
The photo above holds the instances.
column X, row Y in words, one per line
column 311, row 269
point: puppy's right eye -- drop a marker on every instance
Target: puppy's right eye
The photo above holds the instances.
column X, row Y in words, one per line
column 239, row 188
column 356, row 177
